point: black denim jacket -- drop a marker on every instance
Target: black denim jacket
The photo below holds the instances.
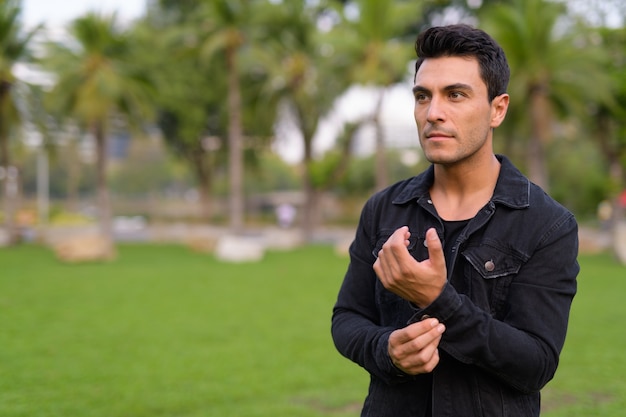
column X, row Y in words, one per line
column 506, row 304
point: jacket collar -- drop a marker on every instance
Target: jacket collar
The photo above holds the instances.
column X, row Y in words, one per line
column 512, row 188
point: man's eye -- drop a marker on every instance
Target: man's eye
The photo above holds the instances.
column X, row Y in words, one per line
column 456, row 95
column 420, row 97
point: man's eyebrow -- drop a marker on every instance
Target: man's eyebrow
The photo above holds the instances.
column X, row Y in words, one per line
column 458, row 86
column 451, row 87
column 419, row 88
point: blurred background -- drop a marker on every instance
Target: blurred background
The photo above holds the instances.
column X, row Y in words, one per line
column 187, row 120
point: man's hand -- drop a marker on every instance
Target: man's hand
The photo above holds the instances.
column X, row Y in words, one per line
column 418, row 282
column 413, row 349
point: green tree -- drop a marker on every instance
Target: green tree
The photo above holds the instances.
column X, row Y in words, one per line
column 549, row 64
column 190, row 110
column 13, row 49
column 221, row 36
column 193, row 81
column 376, row 37
column 97, row 83
column 609, row 122
column 307, row 72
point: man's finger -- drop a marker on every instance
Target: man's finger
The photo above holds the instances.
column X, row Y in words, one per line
column 435, row 249
column 414, row 330
column 390, row 254
column 397, row 244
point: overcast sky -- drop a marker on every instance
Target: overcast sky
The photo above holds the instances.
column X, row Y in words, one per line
column 57, row 13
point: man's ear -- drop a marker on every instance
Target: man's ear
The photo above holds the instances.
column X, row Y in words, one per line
column 499, row 106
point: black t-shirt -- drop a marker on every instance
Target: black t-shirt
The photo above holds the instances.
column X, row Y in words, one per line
column 451, row 231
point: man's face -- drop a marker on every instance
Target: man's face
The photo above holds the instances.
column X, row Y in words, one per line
column 453, row 114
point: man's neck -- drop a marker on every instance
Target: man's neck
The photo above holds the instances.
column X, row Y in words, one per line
column 460, row 191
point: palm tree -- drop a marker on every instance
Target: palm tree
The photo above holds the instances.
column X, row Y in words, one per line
column 13, row 48
column 608, row 127
column 192, row 89
column 548, row 69
column 221, row 34
column 190, row 96
column 97, row 82
column 380, row 56
column 308, row 73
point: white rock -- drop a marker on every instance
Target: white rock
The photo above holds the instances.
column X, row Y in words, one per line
column 231, row 248
column 620, row 242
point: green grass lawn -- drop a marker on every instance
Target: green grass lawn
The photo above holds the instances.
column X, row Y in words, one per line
column 163, row 331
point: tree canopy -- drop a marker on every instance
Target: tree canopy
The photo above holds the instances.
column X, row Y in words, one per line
column 221, row 80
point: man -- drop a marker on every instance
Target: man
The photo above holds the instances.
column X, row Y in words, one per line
column 457, row 296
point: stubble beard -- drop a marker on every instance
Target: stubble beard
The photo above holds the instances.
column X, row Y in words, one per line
column 439, row 155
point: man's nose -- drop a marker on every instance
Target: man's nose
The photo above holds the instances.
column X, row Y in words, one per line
column 436, row 110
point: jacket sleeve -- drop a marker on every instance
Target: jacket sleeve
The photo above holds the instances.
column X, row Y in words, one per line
column 521, row 348
column 356, row 328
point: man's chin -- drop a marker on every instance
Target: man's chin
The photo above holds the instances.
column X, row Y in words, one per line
column 441, row 158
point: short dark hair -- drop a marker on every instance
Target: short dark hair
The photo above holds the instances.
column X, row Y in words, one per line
column 466, row 41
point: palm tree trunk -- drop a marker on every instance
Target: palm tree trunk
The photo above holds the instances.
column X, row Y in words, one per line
column 8, row 181
column 382, row 177
column 10, row 194
column 310, row 201
column 540, row 134
column 43, row 187
column 203, row 176
column 73, row 174
column 235, row 144
column 4, row 168
column 617, row 214
column 309, row 208
column 104, row 203
column 617, row 176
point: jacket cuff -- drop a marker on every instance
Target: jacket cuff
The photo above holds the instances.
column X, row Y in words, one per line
column 391, row 374
column 442, row 308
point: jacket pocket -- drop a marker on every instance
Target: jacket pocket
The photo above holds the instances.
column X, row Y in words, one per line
column 492, row 262
column 491, row 270
column 384, row 235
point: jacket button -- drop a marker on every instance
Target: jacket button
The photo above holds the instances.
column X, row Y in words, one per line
column 489, row 266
